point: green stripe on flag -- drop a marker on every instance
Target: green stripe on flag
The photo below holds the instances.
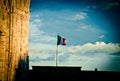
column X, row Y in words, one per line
column 58, row 39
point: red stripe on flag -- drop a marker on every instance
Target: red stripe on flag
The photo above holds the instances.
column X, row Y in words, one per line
column 64, row 41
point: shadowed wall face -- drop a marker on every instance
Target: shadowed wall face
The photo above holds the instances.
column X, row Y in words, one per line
column 14, row 22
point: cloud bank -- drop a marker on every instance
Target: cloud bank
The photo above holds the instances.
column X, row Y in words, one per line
column 88, row 48
column 80, row 16
column 80, row 55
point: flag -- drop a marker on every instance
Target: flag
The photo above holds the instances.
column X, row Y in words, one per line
column 60, row 40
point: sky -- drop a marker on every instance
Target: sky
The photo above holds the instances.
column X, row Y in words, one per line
column 91, row 28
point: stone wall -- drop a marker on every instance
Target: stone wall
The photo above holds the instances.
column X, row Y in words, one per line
column 14, row 23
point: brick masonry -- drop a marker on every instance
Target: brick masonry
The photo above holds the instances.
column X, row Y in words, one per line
column 14, row 24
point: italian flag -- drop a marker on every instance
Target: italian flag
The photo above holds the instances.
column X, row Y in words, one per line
column 60, row 40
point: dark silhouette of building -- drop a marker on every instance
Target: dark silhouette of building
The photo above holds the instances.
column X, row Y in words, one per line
column 39, row 73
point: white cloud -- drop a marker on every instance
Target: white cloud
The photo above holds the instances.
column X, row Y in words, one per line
column 36, row 34
column 88, row 48
column 38, row 21
column 98, row 47
column 81, row 55
column 102, row 36
column 88, row 8
column 86, row 27
column 80, row 16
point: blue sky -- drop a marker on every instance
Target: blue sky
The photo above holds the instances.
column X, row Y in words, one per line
column 91, row 28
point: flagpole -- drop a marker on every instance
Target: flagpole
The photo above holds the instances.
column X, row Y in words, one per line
column 56, row 56
column 59, row 40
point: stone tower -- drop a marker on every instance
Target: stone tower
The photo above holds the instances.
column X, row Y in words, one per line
column 14, row 23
